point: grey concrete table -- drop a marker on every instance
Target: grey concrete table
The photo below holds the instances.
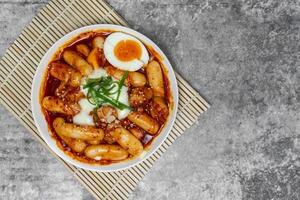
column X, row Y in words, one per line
column 243, row 56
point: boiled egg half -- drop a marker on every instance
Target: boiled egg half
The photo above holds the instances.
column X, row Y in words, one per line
column 125, row 52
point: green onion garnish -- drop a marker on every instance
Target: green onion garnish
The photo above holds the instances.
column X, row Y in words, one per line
column 99, row 91
column 121, row 83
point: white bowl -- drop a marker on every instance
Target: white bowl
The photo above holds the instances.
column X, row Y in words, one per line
column 43, row 126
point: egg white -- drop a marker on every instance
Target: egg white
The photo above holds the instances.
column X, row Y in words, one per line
column 111, row 42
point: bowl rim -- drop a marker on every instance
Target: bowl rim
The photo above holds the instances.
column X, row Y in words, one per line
column 42, row 125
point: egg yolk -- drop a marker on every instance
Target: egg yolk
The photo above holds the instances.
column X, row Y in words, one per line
column 127, row 50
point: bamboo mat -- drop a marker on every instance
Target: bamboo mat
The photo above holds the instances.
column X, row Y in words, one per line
column 18, row 66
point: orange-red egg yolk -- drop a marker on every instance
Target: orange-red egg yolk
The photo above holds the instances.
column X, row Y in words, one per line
column 127, row 50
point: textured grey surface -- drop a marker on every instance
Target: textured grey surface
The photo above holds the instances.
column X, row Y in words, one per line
column 243, row 56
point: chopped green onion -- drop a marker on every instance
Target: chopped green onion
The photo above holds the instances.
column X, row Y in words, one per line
column 121, row 83
column 113, row 102
column 99, row 91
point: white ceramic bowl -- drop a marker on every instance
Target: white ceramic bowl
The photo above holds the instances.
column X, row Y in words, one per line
column 42, row 124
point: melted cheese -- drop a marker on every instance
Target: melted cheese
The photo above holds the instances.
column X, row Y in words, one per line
column 84, row 117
